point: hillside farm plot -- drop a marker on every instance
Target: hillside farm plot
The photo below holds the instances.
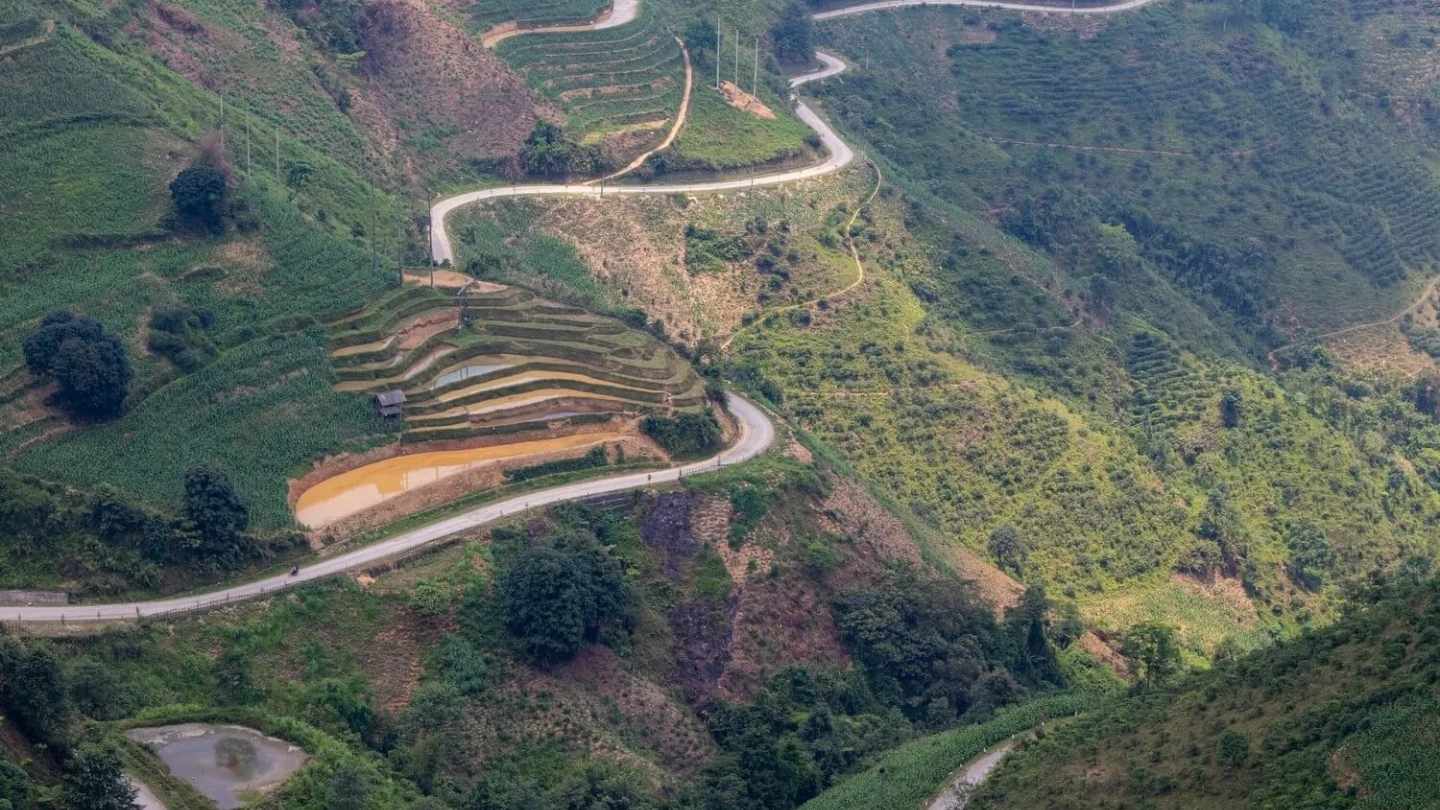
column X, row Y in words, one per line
column 608, row 82
column 516, row 362
column 504, row 378
column 1175, row 122
column 486, row 14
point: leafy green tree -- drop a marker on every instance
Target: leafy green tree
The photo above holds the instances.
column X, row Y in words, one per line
column 199, row 196
column 89, row 364
column 1230, row 408
column 97, row 691
column 548, row 153
column 700, row 37
column 94, row 780
column 1116, row 252
column 94, row 376
column 555, row 598
column 598, row 787
column 1007, row 549
column 16, row 791
column 220, row 518
column 1153, row 653
column 1029, row 626
column 32, row 690
column 1222, row 525
column 1232, row 749
column 794, row 34
column 351, row 786
column 686, row 435
column 1311, row 556
column 920, row 642
column 233, row 682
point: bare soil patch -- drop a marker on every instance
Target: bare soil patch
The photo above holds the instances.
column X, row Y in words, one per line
column 433, row 75
column 741, row 100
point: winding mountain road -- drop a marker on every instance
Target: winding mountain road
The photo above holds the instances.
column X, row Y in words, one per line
column 757, row 433
column 839, row 157
column 622, row 12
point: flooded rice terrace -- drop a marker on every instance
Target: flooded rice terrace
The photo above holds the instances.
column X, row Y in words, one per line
column 229, row 765
column 363, row 487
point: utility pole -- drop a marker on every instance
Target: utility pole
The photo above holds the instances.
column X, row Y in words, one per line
column 719, row 49
column 755, row 79
column 737, row 58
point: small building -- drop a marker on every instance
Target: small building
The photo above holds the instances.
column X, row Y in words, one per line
column 389, row 404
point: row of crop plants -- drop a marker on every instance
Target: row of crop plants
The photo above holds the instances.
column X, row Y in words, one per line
column 604, row 79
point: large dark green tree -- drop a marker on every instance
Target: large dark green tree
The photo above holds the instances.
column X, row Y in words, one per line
column 220, row 518
column 89, row 364
column 95, row 780
column 793, row 35
column 1153, row 652
column 199, row 196
column 557, row 597
column 16, row 790
column 548, row 153
column 32, row 690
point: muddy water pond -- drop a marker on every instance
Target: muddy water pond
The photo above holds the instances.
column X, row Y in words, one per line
column 230, row 765
column 363, row 487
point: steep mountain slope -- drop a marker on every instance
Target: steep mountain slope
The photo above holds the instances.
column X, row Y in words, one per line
column 1339, row 718
column 1273, row 166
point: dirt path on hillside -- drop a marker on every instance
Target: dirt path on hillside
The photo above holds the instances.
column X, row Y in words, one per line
column 854, row 255
column 1411, row 309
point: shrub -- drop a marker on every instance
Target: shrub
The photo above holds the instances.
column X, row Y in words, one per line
column 689, row 434
column 548, row 153
column 594, row 458
column 178, row 333
column 1233, row 749
column 94, row 780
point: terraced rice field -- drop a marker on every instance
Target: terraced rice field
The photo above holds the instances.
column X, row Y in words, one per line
column 486, row 14
column 518, row 361
column 606, row 81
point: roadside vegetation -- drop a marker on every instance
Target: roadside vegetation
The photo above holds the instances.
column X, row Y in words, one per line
column 627, row 654
column 1338, row 718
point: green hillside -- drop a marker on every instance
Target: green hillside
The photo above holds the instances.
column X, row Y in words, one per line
column 1339, row 718
column 1273, row 163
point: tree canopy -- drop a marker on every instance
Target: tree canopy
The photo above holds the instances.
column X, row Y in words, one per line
column 199, row 196
column 556, row 597
column 89, row 364
column 793, row 35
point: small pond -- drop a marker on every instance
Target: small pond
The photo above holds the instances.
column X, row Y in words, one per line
column 230, row 765
column 465, row 373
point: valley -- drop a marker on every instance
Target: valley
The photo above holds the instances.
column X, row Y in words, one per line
column 710, row 446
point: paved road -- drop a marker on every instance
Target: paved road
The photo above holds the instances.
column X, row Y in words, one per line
column 756, row 431
column 886, row 5
column 839, row 157
column 621, row 12
column 756, row 434
column 956, row 795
